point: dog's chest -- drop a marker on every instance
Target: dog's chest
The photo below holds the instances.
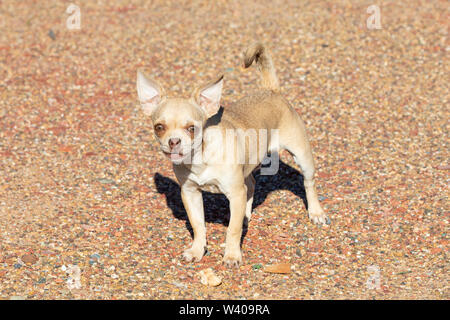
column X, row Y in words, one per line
column 206, row 181
column 210, row 188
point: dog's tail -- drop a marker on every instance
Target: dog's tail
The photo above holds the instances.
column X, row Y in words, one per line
column 260, row 54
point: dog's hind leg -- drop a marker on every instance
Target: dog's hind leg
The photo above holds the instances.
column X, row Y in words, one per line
column 295, row 140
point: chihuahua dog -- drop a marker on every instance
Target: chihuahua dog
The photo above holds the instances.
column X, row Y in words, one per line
column 191, row 133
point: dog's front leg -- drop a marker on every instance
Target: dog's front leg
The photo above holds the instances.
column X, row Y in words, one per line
column 238, row 199
column 193, row 203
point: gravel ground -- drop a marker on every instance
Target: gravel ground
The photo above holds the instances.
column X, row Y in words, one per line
column 84, row 188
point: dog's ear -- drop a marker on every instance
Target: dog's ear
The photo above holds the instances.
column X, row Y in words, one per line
column 208, row 96
column 149, row 92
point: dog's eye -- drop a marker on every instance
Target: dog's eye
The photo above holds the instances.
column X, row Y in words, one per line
column 191, row 129
column 159, row 127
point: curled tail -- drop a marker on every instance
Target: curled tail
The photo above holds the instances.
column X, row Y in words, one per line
column 260, row 54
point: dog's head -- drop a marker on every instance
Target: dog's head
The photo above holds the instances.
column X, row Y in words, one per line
column 178, row 122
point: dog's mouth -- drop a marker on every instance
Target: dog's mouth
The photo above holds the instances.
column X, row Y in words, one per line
column 174, row 155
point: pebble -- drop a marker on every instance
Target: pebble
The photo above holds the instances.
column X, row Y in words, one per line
column 209, row 278
column 95, row 256
column 278, row 268
column 257, row 266
column 29, row 258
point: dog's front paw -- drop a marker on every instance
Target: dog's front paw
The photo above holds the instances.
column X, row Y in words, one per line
column 232, row 258
column 318, row 216
column 193, row 254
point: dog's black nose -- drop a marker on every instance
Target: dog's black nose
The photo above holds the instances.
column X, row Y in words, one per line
column 173, row 142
